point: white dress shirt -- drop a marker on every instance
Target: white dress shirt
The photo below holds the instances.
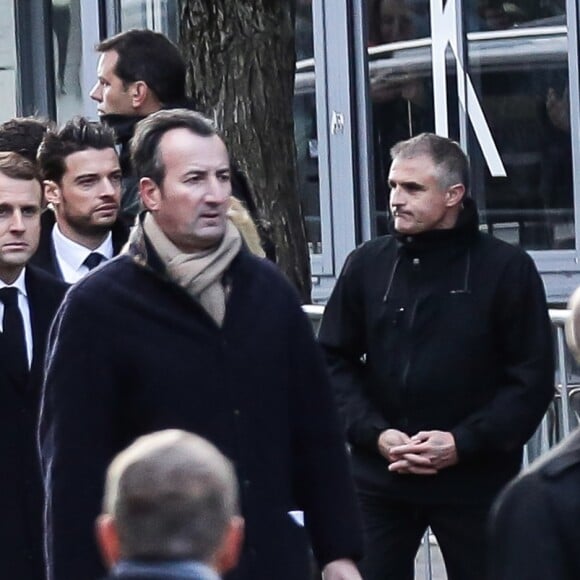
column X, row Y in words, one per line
column 24, row 311
column 70, row 255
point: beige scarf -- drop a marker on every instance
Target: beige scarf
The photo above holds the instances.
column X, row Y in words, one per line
column 200, row 274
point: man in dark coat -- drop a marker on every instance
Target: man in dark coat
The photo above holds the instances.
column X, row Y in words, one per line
column 29, row 299
column 170, row 510
column 534, row 525
column 141, row 72
column 439, row 344
column 188, row 330
column 82, row 182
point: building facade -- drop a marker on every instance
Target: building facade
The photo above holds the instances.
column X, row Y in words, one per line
column 500, row 77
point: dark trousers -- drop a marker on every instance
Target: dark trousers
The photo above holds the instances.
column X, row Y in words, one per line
column 393, row 532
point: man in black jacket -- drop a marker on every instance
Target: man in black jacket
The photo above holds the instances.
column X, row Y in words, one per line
column 82, row 183
column 188, row 330
column 141, row 72
column 29, row 299
column 439, row 344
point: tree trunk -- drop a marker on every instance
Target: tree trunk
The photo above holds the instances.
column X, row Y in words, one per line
column 241, row 60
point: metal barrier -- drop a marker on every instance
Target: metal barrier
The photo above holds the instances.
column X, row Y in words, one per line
column 557, row 423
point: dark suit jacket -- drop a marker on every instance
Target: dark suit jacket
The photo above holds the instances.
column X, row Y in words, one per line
column 535, row 532
column 45, row 256
column 21, row 495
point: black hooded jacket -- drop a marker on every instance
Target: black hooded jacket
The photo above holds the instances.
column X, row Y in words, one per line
column 445, row 330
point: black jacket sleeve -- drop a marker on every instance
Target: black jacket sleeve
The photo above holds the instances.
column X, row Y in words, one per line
column 523, row 333
column 526, row 540
column 342, row 335
column 76, row 437
column 321, row 475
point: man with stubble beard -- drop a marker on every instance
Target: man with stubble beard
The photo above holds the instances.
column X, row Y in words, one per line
column 82, row 183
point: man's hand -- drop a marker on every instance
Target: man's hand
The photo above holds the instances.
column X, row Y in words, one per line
column 341, row 570
column 390, row 441
column 435, row 447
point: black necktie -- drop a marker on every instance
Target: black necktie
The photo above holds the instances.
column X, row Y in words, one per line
column 14, row 357
column 93, row 260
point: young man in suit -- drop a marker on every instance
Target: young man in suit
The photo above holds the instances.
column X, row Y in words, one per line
column 170, row 510
column 29, row 299
column 82, row 182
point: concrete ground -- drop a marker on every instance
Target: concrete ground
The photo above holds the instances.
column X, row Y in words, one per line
column 437, row 569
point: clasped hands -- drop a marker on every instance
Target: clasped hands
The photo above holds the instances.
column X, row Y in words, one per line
column 424, row 453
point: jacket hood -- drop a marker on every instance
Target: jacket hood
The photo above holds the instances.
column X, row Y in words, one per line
column 466, row 229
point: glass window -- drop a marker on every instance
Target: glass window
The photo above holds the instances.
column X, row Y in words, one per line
column 400, row 84
column 305, row 127
column 160, row 15
column 521, row 80
column 7, row 60
column 484, row 15
column 68, row 54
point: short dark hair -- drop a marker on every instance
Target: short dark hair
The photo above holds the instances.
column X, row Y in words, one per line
column 75, row 135
column 145, row 155
column 24, row 135
column 451, row 162
column 150, row 57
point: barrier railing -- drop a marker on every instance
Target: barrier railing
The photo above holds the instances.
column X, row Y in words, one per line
column 558, row 421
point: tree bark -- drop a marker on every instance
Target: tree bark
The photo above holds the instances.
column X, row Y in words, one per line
column 241, row 63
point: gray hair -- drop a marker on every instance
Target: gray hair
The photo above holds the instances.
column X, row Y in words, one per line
column 172, row 495
column 452, row 165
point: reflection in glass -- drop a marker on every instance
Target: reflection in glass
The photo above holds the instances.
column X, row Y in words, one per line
column 400, row 85
column 501, row 15
column 396, row 20
column 66, row 26
column 304, row 35
column 154, row 15
column 305, row 133
column 522, row 83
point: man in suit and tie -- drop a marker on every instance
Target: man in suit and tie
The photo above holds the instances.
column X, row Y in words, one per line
column 29, row 299
column 82, row 182
column 170, row 510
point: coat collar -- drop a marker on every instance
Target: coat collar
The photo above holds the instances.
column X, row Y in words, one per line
column 465, row 231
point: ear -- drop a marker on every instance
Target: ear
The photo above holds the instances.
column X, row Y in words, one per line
column 454, row 195
column 52, row 192
column 228, row 554
column 150, row 193
column 108, row 539
column 139, row 92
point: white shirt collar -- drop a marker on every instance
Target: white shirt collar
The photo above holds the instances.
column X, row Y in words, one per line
column 74, row 254
column 18, row 283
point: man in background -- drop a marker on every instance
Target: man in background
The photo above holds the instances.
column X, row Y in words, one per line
column 140, row 72
column 170, row 510
column 82, row 183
